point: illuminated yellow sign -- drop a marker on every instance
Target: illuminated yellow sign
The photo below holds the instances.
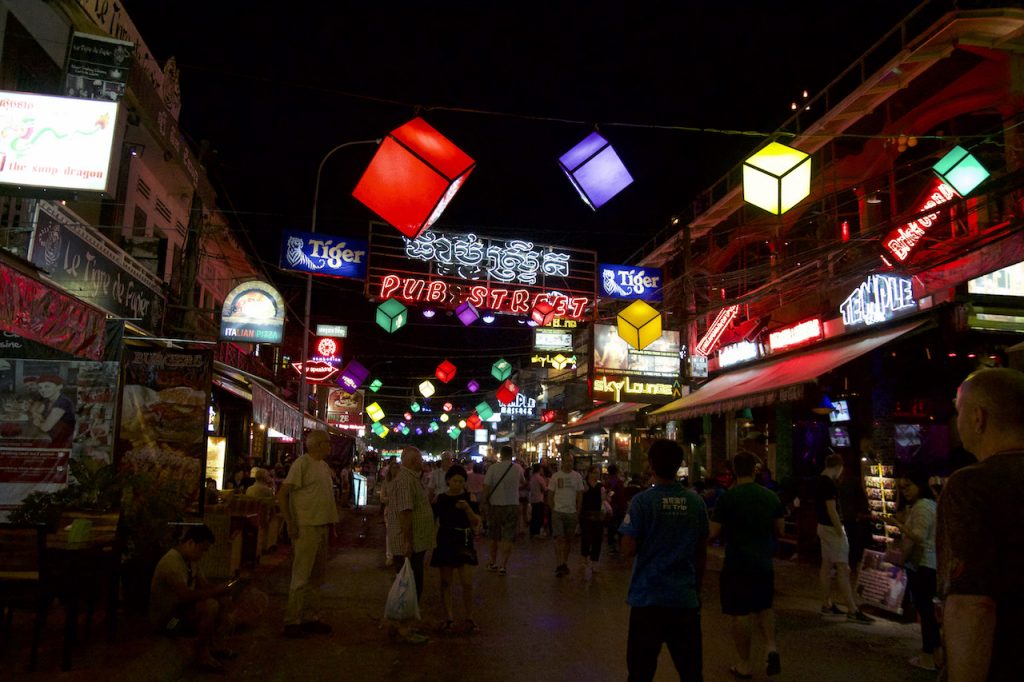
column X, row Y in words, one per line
column 632, row 390
column 558, row 361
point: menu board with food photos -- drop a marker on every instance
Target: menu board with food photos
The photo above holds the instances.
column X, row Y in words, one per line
column 163, row 422
column 880, row 487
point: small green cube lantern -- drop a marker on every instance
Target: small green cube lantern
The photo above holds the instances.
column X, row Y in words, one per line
column 375, row 385
column 392, row 315
column 415, row 407
column 484, row 410
column 776, row 178
column 501, row 370
column 639, row 325
column 961, row 170
column 454, row 432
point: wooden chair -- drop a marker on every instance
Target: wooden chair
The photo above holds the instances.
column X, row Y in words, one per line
column 23, row 580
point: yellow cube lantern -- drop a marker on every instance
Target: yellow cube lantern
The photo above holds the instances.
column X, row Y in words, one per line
column 375, row 412
column 427, row 389
column 639, row 325
column 776, row 178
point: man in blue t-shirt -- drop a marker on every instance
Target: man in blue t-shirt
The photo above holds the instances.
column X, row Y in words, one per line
column 666, row 529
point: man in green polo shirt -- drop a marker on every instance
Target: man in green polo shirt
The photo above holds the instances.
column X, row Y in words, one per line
column 749, row 517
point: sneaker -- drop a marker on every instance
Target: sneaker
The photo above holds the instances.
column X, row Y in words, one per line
column 492, row 567
column 831, row 610
column 294, row 631
column 859, row 617
column 316, row 627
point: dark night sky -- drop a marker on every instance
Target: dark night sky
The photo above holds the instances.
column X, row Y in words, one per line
column 274, row 89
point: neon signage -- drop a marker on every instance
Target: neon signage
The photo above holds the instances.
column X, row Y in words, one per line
column 804, row 332
column 623, row 281
column 903, row 240
column 552, row 340
column 619, row 388
column 558, row 361
column 711, row 337
column 316, row 370
column 736, row 353
column 468, row 257
column 879, row 298
column 521, row 406
column 498, row 299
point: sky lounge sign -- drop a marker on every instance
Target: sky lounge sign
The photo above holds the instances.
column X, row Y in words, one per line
column 879, row 299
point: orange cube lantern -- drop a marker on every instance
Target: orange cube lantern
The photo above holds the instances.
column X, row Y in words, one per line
column 412, row 177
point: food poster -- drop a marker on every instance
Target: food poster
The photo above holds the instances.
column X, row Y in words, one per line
column 53, row 407
column 164, row 416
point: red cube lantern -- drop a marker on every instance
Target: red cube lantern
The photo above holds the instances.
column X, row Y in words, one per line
column 473, row 422
column 445, row 371
column 412, row 177
column 543, row 313
column 507, row 392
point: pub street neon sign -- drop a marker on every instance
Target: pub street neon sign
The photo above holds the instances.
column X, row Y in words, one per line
column 468, row 257
column 499, row 299
column 880, row 298
column 902, row 241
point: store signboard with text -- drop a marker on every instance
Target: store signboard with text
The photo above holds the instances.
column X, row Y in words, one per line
column 879, row 298
column 797, row 334
column 57, row 142
column 323, row 254
column 506, row 276
column 630, row 282
column 344, row 409
column 253, row 313
column 625, row 374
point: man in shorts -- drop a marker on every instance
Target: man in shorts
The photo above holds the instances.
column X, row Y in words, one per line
column 565, row 497
column 835, row 548
column 500, row 504
column 749, row 517
column 183, row 602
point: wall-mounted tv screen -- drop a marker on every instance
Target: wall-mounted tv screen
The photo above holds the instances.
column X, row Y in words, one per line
column 840, row 436
column 841, row 413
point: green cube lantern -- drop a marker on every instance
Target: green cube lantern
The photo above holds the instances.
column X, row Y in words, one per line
column 484, row 410
column 639, row 325
column 776, row 178
column 961, row 170
column 375, row 412
column 454, row 432
column 501, row 370
column 415, row 407
column 375, row 385
column 380, row 429
column 392, row 315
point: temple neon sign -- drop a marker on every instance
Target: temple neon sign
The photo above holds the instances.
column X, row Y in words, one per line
column 879, row 298
column 500, row 299
column 904, row 239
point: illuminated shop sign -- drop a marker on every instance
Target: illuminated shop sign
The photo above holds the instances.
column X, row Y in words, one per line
column 879, row 298
column 722, row 321
column 317, row 371
column 521, row 406
column 794, row 335
column 323, row 254
column 335, row 331
column 614, row 356
column 345, row 410
column 735, row 353
column 1006, row 282
column 501, row 275
column 552, row 340
column 253, row 313
column 624, row 281
column 557, row 361
column 698, row 365
column 56, row 142
column 630, row 389
column 902, row 241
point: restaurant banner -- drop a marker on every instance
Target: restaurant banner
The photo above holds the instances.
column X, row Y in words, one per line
column 253, row 313
column 89, row 266
column 40, row 313
column 164, row 415
column 97, row 67
column 625, row 374
column 54, row 407
column 272, row 412
column 324, row 254
column 345, row 410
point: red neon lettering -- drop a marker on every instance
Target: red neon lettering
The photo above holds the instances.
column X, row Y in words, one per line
column 519, row 301
column 809, row 330
column 497, row 297
column 477, row 297
column 388, row 285
column 437, row 291
column 577, row 306
column 714, row 333
column 902, row 241
column 412, row 289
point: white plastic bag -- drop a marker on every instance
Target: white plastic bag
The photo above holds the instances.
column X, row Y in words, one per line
column 402, row 603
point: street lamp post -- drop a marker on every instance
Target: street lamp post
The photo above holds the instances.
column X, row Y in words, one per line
column 303, row 384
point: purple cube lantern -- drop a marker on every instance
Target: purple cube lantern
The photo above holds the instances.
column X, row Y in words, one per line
column 467, row 313
column 595, row 170
column 473, row 386
column 352, row 376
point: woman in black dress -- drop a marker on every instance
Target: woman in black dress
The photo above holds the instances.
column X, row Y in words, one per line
column 457, row 517
column 592, row 520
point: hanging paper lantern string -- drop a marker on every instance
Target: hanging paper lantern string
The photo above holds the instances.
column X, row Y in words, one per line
column 412, row 177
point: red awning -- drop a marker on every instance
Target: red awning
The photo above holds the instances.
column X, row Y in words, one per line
column 781, row 380
column 596, row 418
column 40, row 313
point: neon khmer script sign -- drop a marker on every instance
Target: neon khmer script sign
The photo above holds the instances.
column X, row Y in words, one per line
column 501, row 275
column 904, row 239
column 879, row 298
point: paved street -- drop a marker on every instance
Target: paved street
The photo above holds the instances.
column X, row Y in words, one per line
column 534, row 627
